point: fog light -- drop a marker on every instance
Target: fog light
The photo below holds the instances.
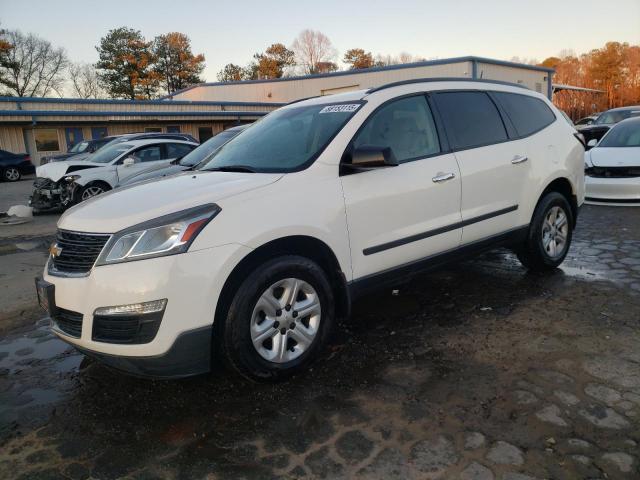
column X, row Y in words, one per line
column 153, row 306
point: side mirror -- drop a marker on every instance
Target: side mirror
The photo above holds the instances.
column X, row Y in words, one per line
column 367, row 157
column 127, row 162
column 592, row 143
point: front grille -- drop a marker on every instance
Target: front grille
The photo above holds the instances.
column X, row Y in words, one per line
column 130, row 329
column 69, row 322
column 43, row 183
column 78, row 251
column 613, row 172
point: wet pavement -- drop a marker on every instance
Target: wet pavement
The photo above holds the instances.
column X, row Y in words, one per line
column 476, row 371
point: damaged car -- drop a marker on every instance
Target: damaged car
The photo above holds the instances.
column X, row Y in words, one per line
column 62, row 184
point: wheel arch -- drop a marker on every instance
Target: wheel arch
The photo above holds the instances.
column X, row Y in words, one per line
column 563, row 186
column 97, row 181
column 305, row 246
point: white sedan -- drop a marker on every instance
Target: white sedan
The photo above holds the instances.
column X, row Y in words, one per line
column 61, row 184
column 612, row 167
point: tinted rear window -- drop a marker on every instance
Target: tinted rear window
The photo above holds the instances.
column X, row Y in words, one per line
column 471, row 119
column 528, row 114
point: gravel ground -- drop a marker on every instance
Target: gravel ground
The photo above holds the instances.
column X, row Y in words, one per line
column 477, row 371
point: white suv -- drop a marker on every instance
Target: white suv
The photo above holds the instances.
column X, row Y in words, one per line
column 256, row 254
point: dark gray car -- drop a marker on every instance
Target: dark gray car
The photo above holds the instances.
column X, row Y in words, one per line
column 190, row 160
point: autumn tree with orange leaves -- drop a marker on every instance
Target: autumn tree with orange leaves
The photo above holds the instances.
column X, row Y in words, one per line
column 613, row 69
column 175, row 63
column 126, row 65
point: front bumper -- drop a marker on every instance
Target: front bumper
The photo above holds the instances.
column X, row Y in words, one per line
column 189, row 355
column 191, row 282
column 612, row 191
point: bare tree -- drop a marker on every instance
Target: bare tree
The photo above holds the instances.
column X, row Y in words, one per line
column 32, row 67
column 85, row 82
column 312, row 48
column 405, row 57
column 524, row 60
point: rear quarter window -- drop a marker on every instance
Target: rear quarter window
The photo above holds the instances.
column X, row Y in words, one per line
column 471, row 119
column 528, row 114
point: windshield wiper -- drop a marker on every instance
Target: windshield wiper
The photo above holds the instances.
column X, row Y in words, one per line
column 231, row 168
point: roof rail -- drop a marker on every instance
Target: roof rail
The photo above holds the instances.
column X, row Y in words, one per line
column 301, row 100
column 443, row 79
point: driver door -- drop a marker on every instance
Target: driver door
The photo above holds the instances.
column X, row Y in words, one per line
column 399, row 215
column 144, row 158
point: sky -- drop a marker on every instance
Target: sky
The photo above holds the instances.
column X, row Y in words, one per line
column 231, row 32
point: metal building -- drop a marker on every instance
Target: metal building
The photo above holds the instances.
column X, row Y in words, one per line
column 285, row 90
column 46, row 126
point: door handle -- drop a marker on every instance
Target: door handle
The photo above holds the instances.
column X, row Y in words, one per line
column 443, row 177
column 519, row 159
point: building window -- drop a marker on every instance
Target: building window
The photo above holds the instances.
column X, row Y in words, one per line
column 98, row 132
column 153, row 129
column 173, row 128
column 204, row 134
column 46, row 140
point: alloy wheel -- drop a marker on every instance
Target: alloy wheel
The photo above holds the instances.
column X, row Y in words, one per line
column 555, row 231
column 285, row 320
column 92, row 191
column 12, row 174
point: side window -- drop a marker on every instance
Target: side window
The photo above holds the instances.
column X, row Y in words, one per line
column 151, row 153
column 405, row 125
column 528, row 114
column 471, row 118
column 176, row 150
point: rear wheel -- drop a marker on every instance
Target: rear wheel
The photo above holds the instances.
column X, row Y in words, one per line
column 550, row 234
column 279, row 319
column 11, row 174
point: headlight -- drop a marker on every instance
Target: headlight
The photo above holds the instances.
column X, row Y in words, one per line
column 166, row 235
column 71, row 178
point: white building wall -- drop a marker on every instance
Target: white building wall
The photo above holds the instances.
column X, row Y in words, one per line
column 284, row 91
column 532, row 79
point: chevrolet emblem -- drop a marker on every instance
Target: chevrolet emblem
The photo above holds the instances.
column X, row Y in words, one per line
column 55, row 250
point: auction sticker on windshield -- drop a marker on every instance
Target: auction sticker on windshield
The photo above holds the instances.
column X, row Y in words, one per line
column 347, row 107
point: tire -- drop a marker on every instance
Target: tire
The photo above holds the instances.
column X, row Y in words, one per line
column 263, row 341
column 91, row 190
column 546, row 247
column 11, row 174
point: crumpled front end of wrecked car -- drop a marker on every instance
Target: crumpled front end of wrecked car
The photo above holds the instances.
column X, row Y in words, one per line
column 50, row 196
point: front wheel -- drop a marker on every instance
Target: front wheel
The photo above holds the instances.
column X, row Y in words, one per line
column 92, row 190
column 279, row 319
column 550, row 234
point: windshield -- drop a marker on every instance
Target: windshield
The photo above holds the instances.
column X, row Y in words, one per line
column 110, row 152
column 207, row 148
column 608, row 118
column 286, row 140
column 79, row 147
column 622, row 135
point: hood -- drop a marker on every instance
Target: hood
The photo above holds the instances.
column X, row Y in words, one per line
column 56, row 170
column 156, row 172
column 615, row 156
column 128, row 206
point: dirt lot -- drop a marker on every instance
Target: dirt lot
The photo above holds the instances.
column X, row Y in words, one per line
column 477, row 371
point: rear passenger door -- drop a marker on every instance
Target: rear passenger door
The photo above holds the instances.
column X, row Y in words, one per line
column 494, row 169
column 397, row 215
